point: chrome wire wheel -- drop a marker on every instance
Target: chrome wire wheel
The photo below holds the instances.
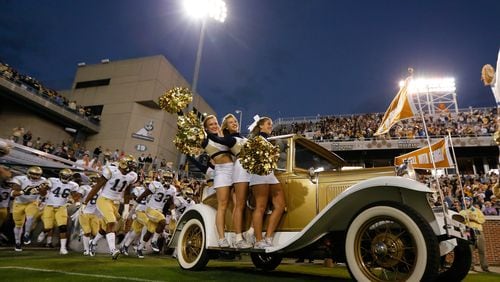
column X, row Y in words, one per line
column 391, row 243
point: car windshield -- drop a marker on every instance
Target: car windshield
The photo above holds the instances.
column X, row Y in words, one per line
column 305, row 159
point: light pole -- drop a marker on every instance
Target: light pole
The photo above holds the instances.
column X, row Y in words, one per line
column 215, row 9
column 240, row 121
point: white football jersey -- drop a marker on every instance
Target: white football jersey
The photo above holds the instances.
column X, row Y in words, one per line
column 29, row 188
column 141, row 206
column 117, row 182
column 91, row 207
column 59, row 192
column 181, row 205
column 160, row 195
column 4, row 196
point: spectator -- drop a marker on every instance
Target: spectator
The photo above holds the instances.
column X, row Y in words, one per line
column 140, row 161
column 147, row 163
column 97, row 152
column 488, row 209
column 474, row 219
column 17, row 133
column 27, row 139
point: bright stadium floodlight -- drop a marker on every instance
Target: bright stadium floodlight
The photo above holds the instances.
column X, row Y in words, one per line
column 438, row 93
column 215, row 9
column 426, row 85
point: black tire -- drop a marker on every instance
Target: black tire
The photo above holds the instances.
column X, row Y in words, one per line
column 456, row 264
column 191, row 245
column 266, row 262
column 390, row 241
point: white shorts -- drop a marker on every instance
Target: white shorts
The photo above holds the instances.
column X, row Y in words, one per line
column 239, row 173
column 263, row 179
column 223, row 175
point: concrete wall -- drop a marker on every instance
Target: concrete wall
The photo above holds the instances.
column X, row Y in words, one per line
column 13, row 115
column 130, row 101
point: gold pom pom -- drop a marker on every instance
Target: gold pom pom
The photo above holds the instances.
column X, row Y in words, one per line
column 259, row 156
column 496, row 137
column 190, row 134
column 175, row 99
column 487, row 74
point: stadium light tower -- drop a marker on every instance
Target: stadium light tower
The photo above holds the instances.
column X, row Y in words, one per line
column 203, row 9
column 440, row 93
column 240, row 121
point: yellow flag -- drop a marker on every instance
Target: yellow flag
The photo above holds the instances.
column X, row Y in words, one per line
column 400, row 108
column 421, row 158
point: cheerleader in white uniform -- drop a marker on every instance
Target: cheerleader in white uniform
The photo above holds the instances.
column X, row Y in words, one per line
column 264, row 186
column 241, row 179
column 217, row 147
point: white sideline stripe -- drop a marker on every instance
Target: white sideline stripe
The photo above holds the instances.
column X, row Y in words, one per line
column 79, row 274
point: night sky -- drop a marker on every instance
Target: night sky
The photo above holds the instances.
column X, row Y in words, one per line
column 281, row 58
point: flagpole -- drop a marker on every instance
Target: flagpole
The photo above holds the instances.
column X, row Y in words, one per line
column 441, row 195
column 456, row 167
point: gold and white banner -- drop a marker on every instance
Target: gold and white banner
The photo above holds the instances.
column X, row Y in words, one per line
column 421, row 158
column 400, row 108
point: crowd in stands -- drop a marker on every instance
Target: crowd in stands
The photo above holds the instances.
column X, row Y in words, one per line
column 483, row 189
column 470, row 122
column 36, row 87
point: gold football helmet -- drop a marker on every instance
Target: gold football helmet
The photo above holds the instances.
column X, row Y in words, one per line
column 187, row 192
column 128, row 163
column 34, row 172
column 147, row 181
column 167, row 177
column 65, row 175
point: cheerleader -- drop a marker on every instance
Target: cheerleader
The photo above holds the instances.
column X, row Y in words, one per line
column 217, row 147
column 263, row 187
column 241, row 179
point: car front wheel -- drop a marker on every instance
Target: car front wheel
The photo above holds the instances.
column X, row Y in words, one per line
column 191, row 251
column 389, row 241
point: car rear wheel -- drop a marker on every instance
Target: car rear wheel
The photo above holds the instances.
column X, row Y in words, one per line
column 266, row 262
column 456, row 264
column 191, row 251
column 391, row 242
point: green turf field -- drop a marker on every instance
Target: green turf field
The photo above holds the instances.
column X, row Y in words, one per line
column 48, row 265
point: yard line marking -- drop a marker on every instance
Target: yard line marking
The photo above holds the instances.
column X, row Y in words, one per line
column 80, row 274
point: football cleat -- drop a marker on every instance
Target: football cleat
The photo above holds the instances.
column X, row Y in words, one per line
column 115, row 254
column 124, row 250
column 18, row 248
column 26, row 239
column 63, row 251
column 154, row 246
column 91, row 248
column 86, row 253
column 139, row 254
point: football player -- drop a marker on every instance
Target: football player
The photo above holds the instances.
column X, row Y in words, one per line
column 139, row 216
column 89, row 217
column 26, row 190
column 115, row 183
column 59, row 191
column 162, row 193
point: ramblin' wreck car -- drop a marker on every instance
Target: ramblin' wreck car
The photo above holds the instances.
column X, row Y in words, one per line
column 382, row 226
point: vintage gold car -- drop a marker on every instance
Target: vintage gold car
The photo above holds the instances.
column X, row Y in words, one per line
column 381, row 225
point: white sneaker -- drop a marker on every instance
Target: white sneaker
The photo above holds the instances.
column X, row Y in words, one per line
column 269, row 241
column 63, row 251
column 242, row 244
column 223, row 243
column 262, row 244
column 41, row 237
column 249, row 237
